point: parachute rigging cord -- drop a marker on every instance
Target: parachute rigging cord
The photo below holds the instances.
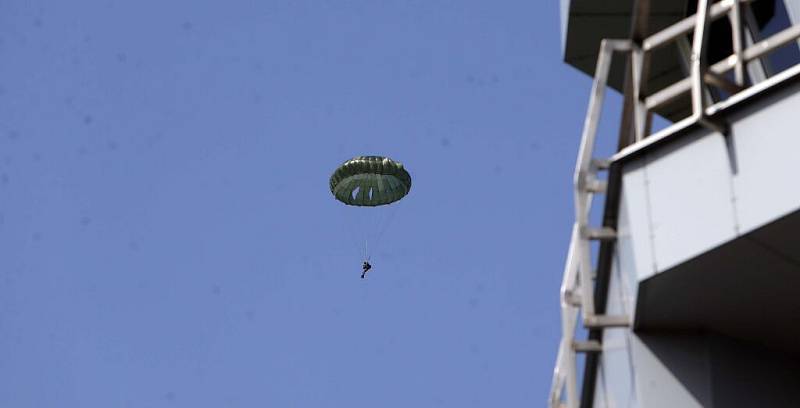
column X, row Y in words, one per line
column 383, row 225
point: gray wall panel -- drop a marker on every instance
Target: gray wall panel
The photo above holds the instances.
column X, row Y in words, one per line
column 672, row 371
column 712, row 371
column 700, row 191
column 689, row 192
column 766, row 145
column 793, row 10
column 615, row 384
column 634, row 241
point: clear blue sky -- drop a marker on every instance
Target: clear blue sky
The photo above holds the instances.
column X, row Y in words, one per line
column 168, row 239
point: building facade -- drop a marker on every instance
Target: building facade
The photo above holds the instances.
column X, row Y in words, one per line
column 682, row 290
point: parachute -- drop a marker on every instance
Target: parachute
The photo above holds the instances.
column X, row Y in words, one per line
column 368, row 184
column 370, row 181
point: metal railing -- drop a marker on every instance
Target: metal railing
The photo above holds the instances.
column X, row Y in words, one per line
column 577, row 287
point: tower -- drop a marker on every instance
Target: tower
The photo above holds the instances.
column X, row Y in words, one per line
column 685, row 292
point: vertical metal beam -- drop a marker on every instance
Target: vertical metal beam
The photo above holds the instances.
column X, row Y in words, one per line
column 735, row 17
column 699, row 69
column 639, row 68
column 640, row 21
column 759, row 69
column 565, row 375
column 585, row 275
column 793, row 12
column 648, row 121
column 698, row 65
column 628, row 129
column 638, row 59
column 569, row 316
column 685, row 50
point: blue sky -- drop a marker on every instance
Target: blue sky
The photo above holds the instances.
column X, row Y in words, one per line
column 168, row 239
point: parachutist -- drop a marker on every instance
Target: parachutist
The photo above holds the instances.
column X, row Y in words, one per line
column 366, row 266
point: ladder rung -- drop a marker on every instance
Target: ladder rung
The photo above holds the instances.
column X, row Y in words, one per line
column 587, row 182
column 601, row 164
column 600, row 321
column 600, row 234
column 572, row 298
column 722, row 82
column 596, row 186
column 588, row 346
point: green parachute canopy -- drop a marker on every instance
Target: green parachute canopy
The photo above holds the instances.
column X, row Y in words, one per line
column 370, row 181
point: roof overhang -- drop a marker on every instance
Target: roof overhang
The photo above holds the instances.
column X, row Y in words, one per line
column 584, row 23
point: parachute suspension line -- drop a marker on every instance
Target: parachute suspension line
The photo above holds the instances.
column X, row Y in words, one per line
column 355, row 228
column 353, row 232
column 384, row 225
